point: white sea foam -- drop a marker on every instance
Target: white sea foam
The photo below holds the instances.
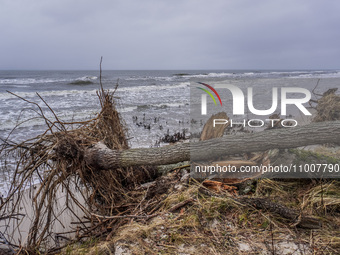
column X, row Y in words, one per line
column 128, row 109
column 155, row 87
column 23, row 81
column 87, row 78
column 291, row 74
column 319, row 74
column 209, row 75
column 30, row 81
column 57, row 93
column 20, row 86
column 162, row 105
column 145, row 78
column 66, row 93
column 30, row 119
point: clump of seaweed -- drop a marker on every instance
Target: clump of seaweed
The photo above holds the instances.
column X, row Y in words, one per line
column 176, row 137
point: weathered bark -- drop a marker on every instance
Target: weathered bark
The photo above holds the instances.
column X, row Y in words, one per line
column 298, row 219
column 209, row 131
column 315, row 133
column 294, row 216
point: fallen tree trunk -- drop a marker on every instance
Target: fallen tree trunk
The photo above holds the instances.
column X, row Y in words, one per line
column 314, row 133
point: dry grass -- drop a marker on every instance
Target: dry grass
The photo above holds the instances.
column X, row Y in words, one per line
column 324, row 197
column 214, row 223
column 328, row 108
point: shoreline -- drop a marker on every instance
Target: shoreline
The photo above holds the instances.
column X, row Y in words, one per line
column 16, row 229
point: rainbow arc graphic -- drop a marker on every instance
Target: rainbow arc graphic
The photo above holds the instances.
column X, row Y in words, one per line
column 209, row 93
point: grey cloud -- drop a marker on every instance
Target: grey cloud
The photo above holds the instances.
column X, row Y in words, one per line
column 150, row 34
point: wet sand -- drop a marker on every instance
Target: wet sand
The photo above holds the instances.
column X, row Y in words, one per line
column 16, row 230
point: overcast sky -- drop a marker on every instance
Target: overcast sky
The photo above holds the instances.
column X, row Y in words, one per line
column 176, row 34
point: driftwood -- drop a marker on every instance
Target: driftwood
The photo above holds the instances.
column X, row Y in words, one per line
column 315, row 133
column 294, row 216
